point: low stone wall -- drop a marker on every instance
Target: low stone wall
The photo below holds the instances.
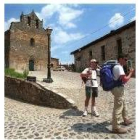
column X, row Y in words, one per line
column 36, row 94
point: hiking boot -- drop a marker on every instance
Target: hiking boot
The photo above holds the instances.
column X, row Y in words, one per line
column 119, row 131
column 95, row 113
column 127, row 122
column 85, row 113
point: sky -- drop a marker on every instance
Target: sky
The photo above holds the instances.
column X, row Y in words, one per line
column 74, row 25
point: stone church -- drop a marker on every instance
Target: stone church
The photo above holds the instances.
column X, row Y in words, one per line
column 26, row 44
column 107, row 47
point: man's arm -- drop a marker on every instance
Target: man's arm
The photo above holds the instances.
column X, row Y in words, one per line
column 126, row 78
column 84, row 75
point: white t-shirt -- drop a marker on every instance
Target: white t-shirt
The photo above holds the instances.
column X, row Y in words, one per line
column 92, row 82
column 118, row 71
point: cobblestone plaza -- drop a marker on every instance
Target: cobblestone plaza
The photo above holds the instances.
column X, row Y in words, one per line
column 27, row 121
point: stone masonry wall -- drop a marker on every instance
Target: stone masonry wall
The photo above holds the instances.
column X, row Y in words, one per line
column 21, row 51
column 7, row 48
column 26, row 44
column 128, row 47
column 36, row 94
column 55, row 62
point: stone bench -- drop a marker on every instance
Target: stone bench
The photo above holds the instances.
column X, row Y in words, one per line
column 31, row 78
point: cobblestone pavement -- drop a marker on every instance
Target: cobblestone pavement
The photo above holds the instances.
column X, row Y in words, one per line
column 27, row 121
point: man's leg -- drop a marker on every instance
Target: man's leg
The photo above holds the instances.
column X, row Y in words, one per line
column 93, row 104
column 87, row 102
column 125, row 113
column 87, row 90
column 118, row 93
column 86, row 106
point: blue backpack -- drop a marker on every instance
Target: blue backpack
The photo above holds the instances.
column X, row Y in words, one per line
column 106, row 78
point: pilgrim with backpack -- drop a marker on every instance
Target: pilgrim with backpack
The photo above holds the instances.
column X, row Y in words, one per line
column 112, row 79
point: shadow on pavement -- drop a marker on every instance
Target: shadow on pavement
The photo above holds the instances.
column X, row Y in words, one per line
column 92, row 127
column 72, row 112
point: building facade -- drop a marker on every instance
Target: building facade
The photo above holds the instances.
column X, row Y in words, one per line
column 107, row 47
column 54, row 62
column 26, row 44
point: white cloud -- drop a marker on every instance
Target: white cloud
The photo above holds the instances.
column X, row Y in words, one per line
column 64, row 14
column 134, row 18
column 8, row 23
column 60, row 36
column 116, row 20
column 48, row 11
column 70, row 25
column 67, row 15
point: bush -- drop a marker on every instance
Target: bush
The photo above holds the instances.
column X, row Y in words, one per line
column 9, row 71
column 25, row 73
column 13, row 73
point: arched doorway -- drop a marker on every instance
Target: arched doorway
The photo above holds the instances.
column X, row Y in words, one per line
column 31, row 65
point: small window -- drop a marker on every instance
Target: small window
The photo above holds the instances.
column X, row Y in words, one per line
column 32, row 42
column 37, row 24
column 103, row 52
column 78, row 58
column 90, row 54
column 119, row 45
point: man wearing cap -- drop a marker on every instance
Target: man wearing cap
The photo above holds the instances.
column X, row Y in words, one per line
column 91, row 86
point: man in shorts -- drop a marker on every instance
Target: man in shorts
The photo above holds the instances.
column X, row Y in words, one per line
column 91, row 87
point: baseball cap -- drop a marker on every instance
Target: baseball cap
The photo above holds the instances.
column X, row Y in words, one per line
column 93, row 60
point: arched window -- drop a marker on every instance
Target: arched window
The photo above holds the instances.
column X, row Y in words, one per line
column 29, row 21
column 32, row 42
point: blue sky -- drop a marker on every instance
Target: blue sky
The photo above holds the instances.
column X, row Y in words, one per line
column 74, row 25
